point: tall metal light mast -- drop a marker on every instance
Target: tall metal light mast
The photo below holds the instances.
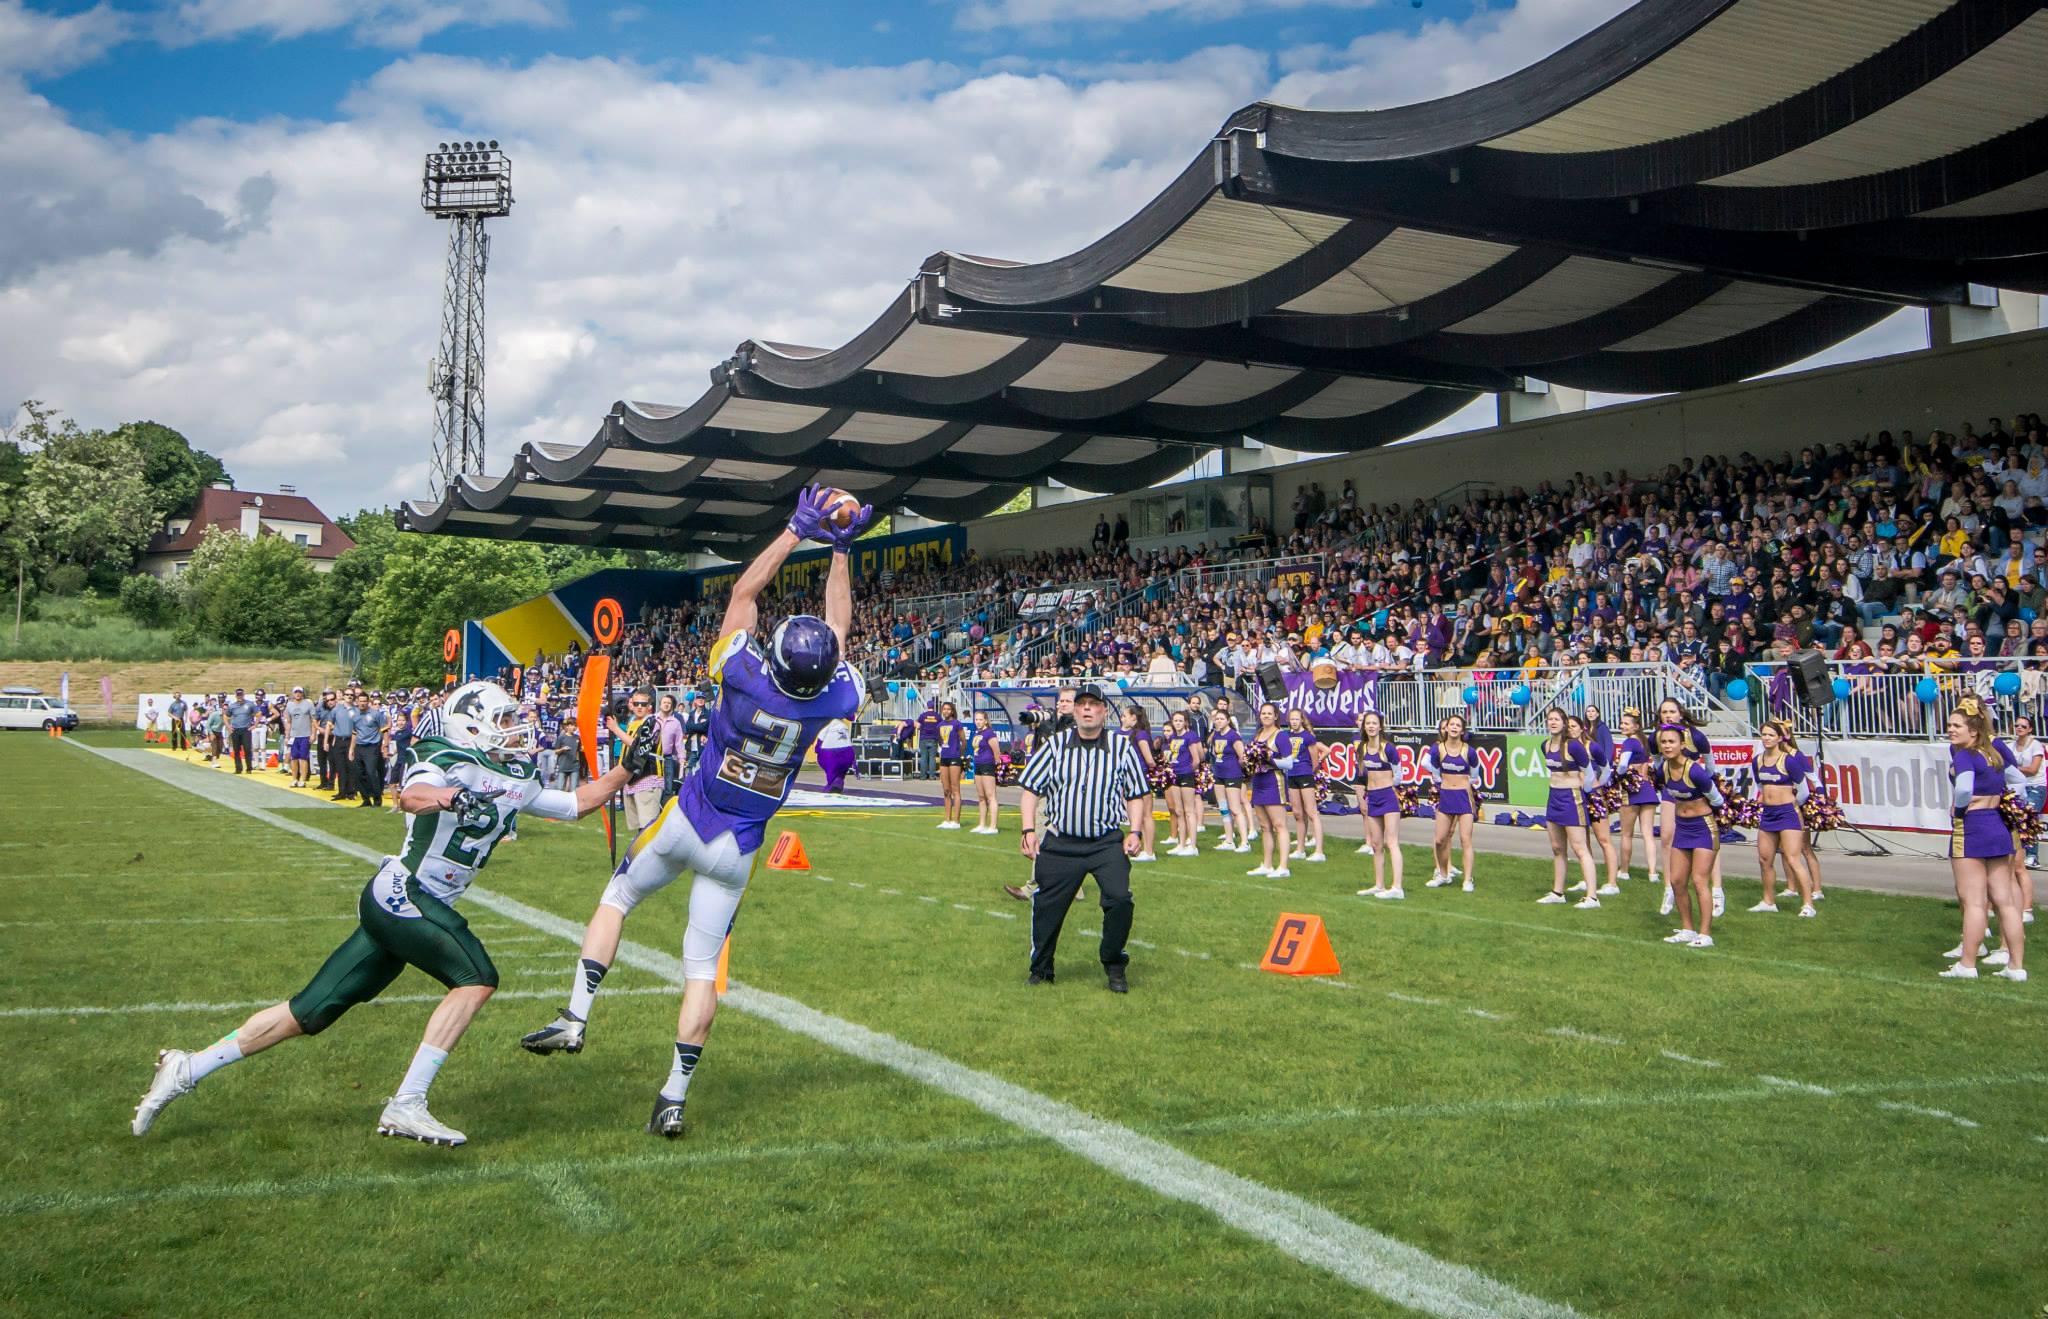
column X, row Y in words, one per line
column 465, row 183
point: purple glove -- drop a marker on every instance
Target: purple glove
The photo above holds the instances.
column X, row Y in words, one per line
column 808, row 521
column 842, row 538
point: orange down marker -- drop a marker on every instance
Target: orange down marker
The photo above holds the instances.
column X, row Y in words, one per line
column 1300, row 947
column 788, row 853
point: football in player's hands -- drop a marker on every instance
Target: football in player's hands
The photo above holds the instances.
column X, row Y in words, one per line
column 643, row 753
column 472, row 807
column 846, row 519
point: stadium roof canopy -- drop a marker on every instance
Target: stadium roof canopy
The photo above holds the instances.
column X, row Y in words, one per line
column 1697, row 191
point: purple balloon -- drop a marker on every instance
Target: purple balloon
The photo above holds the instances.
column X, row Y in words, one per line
column 975, row 633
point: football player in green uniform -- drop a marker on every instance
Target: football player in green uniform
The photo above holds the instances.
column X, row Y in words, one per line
column 466, row 779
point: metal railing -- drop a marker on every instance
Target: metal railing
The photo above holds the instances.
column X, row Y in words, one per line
column 1874, row 703
column 1417, row 702
column 1214, row 576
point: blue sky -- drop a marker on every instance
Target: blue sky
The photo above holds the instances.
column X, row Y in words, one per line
column 210, row 212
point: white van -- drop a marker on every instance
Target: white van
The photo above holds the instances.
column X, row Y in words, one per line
column 27, row 707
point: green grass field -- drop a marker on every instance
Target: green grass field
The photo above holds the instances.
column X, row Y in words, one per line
column 1802, row 1122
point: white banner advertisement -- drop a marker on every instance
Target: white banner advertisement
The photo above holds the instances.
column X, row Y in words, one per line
column 1891, row 785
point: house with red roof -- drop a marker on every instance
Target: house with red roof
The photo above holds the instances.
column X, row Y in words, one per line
column 283, row 513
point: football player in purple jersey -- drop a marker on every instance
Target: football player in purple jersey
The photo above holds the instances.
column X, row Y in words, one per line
column 772, row 703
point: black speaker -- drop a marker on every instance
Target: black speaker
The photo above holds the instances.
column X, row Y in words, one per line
column 1272, row 682
column 1810, row 677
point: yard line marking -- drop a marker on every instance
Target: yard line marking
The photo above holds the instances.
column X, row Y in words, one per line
column 1573, row 1033
column 524, row 938
column 925, row 897
column 854, row 883
column 1386, row 1267
column 169, row 920
column 250, row 1005
column 1784, row 1083
column 554, row 954
column 1334, row 984
column 1683, row 1058
column 1001, row 915
column 1896, row 1106
column 1400, row 997
column 1485, row 1015
column 965, row 906
column 822, row 879
column 892, row 892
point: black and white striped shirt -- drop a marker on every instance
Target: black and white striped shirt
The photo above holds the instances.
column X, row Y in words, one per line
column 1086, row 782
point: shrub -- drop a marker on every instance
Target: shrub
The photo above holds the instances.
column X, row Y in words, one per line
column 64, row 579
column 148, row 601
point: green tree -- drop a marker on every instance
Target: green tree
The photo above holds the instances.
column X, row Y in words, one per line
column 148, row 601
column 261, row 592
column 174, row 470
column 17, row 537
column 85, row 498
column 432, row 583
column 357, row 570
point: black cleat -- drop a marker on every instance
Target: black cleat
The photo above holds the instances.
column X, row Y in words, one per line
column 1117, row 983
column 562, row 1035
column 668, row 1118
column 1037, row 979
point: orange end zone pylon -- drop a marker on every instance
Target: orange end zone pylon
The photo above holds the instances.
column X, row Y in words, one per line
column 1300, row 947
column 788, row 853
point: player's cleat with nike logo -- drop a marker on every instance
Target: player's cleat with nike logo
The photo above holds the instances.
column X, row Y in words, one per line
column 562, row 1035
column 407, row 1117
column 668, row 1117
column 173, row 1078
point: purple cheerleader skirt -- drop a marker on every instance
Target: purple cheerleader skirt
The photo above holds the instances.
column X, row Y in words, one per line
column 1981, row 835
column 1454, row 801
column 1382, row 801
column 1780, row 819
column 1644, row 797
column 1695, row 833
column 1567, row 807
column 1266, row 789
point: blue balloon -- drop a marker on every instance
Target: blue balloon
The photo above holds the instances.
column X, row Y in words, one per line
column 895, row 687
column 1841, row 689
column 1123, row 684
column 1471, row 695
column 1738, row 689
column 689, row 693
column 2026, row 615
column 1578, row 693
column 1928, row 690
column 1522, row 695
column 2006, row 684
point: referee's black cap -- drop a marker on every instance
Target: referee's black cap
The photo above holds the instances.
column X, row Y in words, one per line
column 1088, row 691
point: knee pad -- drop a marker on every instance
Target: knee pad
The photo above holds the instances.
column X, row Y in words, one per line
column 620, row 894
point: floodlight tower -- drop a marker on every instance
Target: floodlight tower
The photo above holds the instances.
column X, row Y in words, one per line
column 465, row 183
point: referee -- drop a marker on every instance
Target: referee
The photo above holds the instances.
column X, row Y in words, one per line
column 1094, row 786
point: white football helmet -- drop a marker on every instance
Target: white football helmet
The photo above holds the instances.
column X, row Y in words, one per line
column 482, row 716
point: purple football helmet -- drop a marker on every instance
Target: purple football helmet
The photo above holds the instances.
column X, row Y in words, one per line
column 803, row 654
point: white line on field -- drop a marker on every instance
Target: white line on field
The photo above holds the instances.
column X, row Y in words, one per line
column 854, row 883
column 1400, row 997
column 250, row 1005
column 1391, row 1269
column 892, row 892
column 926, row 897
column 1895, row 1106
column 1485, row 1015
column 1001, row 915
column 1334, row 984
column 168, row 920
column 1784, row 1083
column 1573, row 1033
column 523, row 938
column 965, row 906
column 1683, row 1058
column 822, row 879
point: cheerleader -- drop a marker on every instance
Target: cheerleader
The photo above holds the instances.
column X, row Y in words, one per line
column 987, row 744
column 1600, row 750
column 1374, row 764
column 1225, row 750
column 1687, row 783
column 951, row 736
column 1781, row 776
column 1564, row 817
column 1450, row 762
column 1268, row 799
column 1298, row 745
column 1670, row 714
column 1139, row 729
column 1639, row 807
column 1980, row 849
column 1186, row 751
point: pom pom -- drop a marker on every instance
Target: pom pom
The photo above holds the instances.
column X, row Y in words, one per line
column 1634, row 781
column 1007, row 771
column 1820, row 813
column 1258, row 757
column 1205, row 778
column 2021, row 818
column 1160, row 776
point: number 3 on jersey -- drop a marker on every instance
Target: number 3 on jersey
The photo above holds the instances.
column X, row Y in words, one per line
column 762, row 764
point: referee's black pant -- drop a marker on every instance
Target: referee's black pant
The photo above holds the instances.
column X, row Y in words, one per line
column 1061, row 866
column 369, row 773
column 238, row 741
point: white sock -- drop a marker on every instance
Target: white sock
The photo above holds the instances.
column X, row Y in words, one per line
column 208, row 1061
column 680, row 1071
column 426, row 1065
column 589, row 975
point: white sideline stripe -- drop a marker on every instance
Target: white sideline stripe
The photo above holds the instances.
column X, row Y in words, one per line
column 123, row 1009
column 1369, row 1260
column 1573, row 1033
column 168, row 920
column 526, row 938
column 1895, row 1106
column 1785, row 1084
column 1400, row 997
column 1683, row 1058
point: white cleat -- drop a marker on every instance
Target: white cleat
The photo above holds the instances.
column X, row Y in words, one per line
column 1365, row 849
column 173, row 1078
column 1955, row 953
column 1391, row 895
column 1959, row 972
column 1316, row 855
column 1703, row 941
column 1996, row 957
column 1808, row 911
column 1455, row 872
column 2013, row 974
column 1467, row 886
column 1670, row 901
column 1296, row 855
column 1172, row 845
column 1372, row 892
column 1680, row 936
column 1579, row 887
column 1282, row 873
column 1242, row 848
column 408, row 1117
column 1260, row 871
column 1438, row 880
column 1720, row 902
column 1144, row 856
column 1765, row 905
column 1551, row 900
column 1610, row 890
column 1588, row 904
column 2027, row 919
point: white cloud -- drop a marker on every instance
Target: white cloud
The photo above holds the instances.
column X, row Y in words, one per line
column 1048, row 16
column 400, row 24
column 33, row 42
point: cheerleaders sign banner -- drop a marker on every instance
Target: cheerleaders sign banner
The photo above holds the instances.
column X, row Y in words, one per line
column 1337, row 707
